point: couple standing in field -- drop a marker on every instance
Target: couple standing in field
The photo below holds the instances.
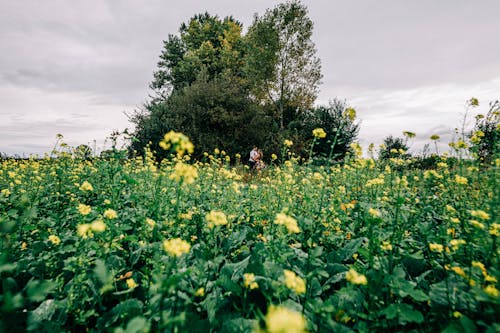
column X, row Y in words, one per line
column 255, row 160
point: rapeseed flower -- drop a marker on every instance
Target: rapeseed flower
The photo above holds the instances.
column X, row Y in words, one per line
column 280, row 319
column 184, row 173
column 249, row 281
column 455, row 243
column 110, row 214
column 150, row 222
column 176, row 247
column 374, row 212
column 84, row 230
column 495, row 229
column 179, row 142
column 131, row 284
column 54, row 239
column 460, row 180
column 289, row 222
column 480, row 214
column 386, row 246
column 86, row 187
column 436, row 247
column 459, row 271
column 492, row 291
column 288, row 143
column 477, row 224
column 319, row 133
column 98, row 226
column 200, row 292
column 294, row 282
column 350, row 113
column 84, row 209
column 356, row 278
column 215, row 218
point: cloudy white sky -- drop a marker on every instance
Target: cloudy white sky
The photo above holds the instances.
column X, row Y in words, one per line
column 75, row 67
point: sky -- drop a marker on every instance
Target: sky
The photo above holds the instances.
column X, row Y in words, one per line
column 79, row 67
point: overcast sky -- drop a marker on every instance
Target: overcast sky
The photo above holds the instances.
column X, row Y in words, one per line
column 75, row 67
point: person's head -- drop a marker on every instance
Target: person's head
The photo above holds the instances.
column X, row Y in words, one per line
column 254, row 148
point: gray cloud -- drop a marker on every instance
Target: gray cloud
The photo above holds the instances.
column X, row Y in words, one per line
column 405, row 65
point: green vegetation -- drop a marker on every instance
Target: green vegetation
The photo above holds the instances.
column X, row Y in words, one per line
column 133, row 246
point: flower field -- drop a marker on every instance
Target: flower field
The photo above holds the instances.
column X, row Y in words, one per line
column 115, row 245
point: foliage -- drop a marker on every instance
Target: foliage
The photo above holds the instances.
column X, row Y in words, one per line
column 341, row 129
column 134, row 246
column 393, row 147
column 229, row 91
column 206, row 43
column 485, row 138
column 282, row 63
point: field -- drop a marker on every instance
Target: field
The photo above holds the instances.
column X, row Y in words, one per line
column 118, row 245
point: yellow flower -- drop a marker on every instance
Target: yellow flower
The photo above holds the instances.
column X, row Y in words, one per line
column 110, row 214
column 86, row 186
column 460, row 180
column 131, row 284
column 492, row 291
column 274, row 157
column 215, row 218
column 84, row 209
column 480, row 214
column 375, row 181
column 280, row 319
column 356, row 278
column 294, row 282
column 350, row 113
column 374, row 212
column 319, row 133
column 249, row 281
column 184, row 173
column 477, row 224
column 150, row 222
column 178, row 142
column 386, row 246
column 5, row 192
column 435, row 137
column 84, row 230
column 288, row 143
column 458, row 271
column 289, row 222
column 176, row 247
column 24, row 246
column 98, row 226
column 455, row 243
column 54, row 239
column 107, row 202
column 436, row 247
column 495, row 229
column 200, row 292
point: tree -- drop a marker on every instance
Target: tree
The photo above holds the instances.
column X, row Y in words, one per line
column 83, row 152
column 205, row 43
column 338, row 121
column 282, row 61
column 485, row 138
column 393, row 147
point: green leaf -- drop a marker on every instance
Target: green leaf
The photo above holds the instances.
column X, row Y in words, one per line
column 404, row 313
column 44, row 312
column 137, row 325
column 38, row 290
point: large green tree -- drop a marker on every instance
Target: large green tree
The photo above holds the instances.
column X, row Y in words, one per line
column 338, row 120
column 282, row 61
column 205, row 43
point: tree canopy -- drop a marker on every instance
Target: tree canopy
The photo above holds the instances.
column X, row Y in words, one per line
column 232, row 91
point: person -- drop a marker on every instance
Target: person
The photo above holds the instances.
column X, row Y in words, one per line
column 259, row 163
column 253, row 155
